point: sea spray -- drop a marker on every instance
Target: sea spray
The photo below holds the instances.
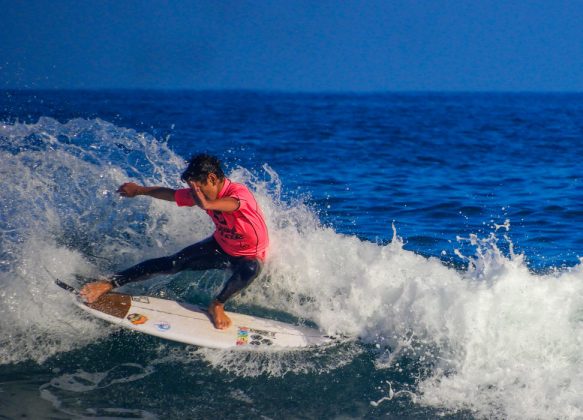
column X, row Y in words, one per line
column 517, row 341
column 60, row 217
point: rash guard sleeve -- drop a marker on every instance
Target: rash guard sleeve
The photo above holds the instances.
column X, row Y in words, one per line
column 183, row 197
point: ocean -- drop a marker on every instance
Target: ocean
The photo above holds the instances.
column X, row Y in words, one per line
column 440, row 233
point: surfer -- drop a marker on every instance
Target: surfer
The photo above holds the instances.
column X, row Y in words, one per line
column 239, row 242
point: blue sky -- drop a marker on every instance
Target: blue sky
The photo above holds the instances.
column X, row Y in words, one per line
column 316, row 45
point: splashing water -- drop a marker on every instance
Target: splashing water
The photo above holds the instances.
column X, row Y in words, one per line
column 493, row 338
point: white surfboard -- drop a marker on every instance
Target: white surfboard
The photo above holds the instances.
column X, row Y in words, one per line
column 191, row 324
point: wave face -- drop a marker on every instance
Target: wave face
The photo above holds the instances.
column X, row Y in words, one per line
column 487, row 335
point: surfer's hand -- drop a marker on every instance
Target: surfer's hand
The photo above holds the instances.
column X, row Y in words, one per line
column 129, row 189
column 200, row 199
column 92, row 291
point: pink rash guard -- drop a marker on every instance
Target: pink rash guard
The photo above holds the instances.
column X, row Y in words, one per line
column 241, row 233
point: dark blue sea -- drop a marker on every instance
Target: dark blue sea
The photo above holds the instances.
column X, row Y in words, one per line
column 440, row 234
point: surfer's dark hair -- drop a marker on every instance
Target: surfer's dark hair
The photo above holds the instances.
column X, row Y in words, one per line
column 200, row 166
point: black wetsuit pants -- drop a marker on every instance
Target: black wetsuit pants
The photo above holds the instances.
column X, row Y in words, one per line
column 204, row 255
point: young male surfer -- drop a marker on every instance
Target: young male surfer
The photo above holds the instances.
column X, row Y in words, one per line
column 239, row 242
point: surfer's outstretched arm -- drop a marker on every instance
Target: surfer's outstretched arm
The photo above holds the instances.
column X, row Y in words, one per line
column 131, row 189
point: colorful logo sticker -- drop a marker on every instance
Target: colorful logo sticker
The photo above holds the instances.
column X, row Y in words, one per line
column 242, row 336
column 137, row 319
column 162, row 326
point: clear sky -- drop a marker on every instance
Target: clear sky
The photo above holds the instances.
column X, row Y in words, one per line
column 315, row 45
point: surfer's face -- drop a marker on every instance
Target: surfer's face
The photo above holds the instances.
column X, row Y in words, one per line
column 210, row 189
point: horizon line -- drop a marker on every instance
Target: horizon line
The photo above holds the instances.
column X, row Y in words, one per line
column 283, row 91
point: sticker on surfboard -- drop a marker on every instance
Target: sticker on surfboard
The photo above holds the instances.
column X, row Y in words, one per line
column 162, row 326
column 137, row 319
column 141, row 299
column 254, row 337
column 242, row 336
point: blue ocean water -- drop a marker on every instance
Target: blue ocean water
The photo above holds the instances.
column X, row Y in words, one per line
column 439, row 231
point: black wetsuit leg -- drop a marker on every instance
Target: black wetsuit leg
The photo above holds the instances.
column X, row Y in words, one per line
column 204, row 255
column 244, row 272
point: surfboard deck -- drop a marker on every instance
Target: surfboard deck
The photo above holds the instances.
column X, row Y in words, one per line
column 191, row 324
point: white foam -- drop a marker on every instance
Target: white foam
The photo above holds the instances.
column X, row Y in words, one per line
column 61, row 217
column 516, row 346
column 277, row 363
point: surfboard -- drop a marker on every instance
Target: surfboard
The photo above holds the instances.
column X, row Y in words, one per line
column 191, row 324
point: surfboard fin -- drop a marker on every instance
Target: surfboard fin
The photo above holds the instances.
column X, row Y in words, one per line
column 67, row 287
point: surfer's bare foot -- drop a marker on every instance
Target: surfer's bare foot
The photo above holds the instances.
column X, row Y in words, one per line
column 92, row 291
column 220, row 318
